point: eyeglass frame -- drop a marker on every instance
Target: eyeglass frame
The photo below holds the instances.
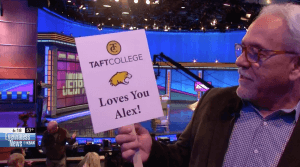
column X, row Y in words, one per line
column 276, row 52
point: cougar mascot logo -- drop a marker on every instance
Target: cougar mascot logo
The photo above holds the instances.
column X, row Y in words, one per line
column 120, row 78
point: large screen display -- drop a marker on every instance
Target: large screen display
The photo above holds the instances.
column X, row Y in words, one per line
column 21, row 90
column 70, row 87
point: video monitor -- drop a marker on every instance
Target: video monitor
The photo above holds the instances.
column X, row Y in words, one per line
column 173, row 137
column 98, row 140
column 81, row 141
column 39, row 139
column 16, row 90
column 89, row 140
column 110, row 139
column 113, row 140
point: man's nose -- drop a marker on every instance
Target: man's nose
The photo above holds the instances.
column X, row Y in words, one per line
column 242, row 60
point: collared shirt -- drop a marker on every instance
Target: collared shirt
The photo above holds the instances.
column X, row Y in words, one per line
column 259, row 142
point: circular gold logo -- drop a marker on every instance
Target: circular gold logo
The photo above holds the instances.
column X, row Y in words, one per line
column 113, row 47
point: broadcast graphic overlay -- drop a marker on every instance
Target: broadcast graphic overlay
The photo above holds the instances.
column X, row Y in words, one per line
column 17, row 137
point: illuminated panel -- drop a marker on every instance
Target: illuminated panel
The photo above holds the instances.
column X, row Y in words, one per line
column 168, row 83
column 200, row 87
column 46, row 69
column 98, row 140
column 81, row 140
column 200, row 76
column 48, row 76
column 16, row 90
column 69, row 117
column 70, row 86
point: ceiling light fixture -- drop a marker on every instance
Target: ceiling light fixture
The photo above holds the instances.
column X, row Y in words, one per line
column 182, row 7
column 244, row 19
column 99, row 26
column 136, row 1
column 107, row 6
column 214, row 22
column 147, row 2
column 226, row 4
column 125, row 12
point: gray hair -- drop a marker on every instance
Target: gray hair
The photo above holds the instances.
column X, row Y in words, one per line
column 15, row 159
column 291, row 14
column 92, row 160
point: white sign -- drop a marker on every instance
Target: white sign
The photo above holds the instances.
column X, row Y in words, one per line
column 119, row 79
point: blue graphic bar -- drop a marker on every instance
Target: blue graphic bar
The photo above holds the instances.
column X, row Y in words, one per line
column 17, row 139
column 12, row 143
column 17, row 136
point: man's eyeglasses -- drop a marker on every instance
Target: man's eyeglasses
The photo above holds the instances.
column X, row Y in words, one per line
column 254, row 54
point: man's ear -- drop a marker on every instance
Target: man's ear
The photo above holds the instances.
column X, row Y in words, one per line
column 295, row 71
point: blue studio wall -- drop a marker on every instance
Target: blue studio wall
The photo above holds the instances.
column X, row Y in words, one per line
column 183, row 82
column 180, row 46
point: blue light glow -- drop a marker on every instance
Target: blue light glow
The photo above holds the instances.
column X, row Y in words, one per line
column 69, row 117
column 180, row 46
column 46, row 70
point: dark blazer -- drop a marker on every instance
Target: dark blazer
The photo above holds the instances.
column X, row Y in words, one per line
column 205, row 140
column 55, row 147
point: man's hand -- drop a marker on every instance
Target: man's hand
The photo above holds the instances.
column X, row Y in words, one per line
column 74, row 135
column 130, row 142
column 29, row 163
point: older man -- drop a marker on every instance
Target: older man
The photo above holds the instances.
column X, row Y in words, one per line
column 254, row 124
column 53, row 144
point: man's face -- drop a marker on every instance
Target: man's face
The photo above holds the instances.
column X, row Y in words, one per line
column 52, row 129
column 269, row 78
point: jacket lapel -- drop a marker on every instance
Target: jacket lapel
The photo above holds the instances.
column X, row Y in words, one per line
column 290, row 156
column 223, row 129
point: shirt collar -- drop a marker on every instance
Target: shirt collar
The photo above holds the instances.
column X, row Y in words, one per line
column 296, row 108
